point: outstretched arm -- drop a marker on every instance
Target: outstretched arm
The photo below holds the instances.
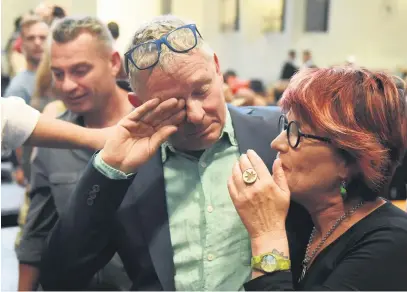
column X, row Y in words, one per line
column 54, row 133
column 22, row 124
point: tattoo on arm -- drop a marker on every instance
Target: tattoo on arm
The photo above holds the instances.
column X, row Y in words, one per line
column 276, row 252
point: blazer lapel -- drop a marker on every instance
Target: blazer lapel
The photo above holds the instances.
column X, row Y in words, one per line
column 253, row 132
column 148, row 188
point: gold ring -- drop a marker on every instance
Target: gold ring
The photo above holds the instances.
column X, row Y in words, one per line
column 249, row 176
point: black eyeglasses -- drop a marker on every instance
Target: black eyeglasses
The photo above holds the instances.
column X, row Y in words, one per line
column 294, row 133
column 146, row 55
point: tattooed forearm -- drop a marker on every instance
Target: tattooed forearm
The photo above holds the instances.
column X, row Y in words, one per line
column 276, row 252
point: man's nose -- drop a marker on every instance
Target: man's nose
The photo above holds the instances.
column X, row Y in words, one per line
column 68, row 85
column 38, row 41
column 195, row 112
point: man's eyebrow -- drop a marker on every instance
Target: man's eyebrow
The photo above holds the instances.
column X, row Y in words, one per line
column 202, row 81
column 74, row 66
column 81, row 64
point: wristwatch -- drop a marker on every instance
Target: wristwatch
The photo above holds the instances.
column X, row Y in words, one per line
column 271, row 262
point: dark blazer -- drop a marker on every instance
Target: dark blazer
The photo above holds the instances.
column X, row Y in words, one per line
column 130, row 217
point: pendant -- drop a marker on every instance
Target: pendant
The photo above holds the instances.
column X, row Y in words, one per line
column 304, row 271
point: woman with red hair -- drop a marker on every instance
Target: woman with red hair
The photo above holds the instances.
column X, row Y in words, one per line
column 343, row 133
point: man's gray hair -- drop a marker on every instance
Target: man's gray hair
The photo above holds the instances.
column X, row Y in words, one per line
column 69, row 28
column 154, row 30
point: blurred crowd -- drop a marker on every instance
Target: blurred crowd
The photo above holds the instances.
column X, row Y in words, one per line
column 254, row 92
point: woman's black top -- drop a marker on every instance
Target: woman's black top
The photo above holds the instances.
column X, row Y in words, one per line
column 371, row 255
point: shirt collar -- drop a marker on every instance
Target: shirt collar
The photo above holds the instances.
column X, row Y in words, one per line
column 227, row 133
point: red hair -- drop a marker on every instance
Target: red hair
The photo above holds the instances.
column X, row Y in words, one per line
column 361, row 111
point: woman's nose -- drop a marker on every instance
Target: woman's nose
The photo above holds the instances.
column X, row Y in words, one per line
column 280, row 143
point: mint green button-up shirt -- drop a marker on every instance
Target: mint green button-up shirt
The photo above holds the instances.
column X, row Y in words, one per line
column 211, row 245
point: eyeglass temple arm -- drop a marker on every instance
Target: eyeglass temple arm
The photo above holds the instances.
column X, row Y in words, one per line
column 316, row 137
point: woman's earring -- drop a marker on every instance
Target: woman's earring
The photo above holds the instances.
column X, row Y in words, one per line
column 344, row 192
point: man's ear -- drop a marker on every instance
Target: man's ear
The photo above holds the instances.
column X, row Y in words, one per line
column 134, row 99
column 116, row 63
column 217, row 66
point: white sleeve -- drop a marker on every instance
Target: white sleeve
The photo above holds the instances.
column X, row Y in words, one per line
column 18, row 121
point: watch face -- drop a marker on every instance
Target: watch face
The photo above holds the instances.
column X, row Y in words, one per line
column 268, row 263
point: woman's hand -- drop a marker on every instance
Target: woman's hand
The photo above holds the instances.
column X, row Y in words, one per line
column 262, row 205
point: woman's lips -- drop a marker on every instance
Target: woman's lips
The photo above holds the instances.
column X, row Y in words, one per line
column 285, row 168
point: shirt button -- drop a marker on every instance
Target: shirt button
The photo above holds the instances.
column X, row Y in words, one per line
column 203, row 164
column 210, row 209
column 210, row 257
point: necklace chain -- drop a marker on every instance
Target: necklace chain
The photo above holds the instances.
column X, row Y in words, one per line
column 308, row 257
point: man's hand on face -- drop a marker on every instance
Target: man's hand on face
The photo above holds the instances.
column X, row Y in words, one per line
column 138, row 136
